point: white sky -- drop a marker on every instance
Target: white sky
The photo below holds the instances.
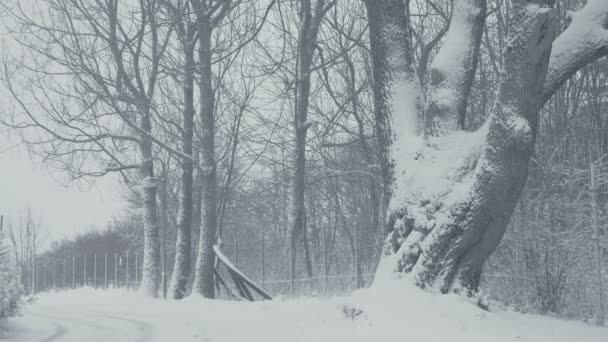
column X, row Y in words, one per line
column 26, row 183
column 62, row 212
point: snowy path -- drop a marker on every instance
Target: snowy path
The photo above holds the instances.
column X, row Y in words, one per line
column 382, row 314
column 97, row 316
column 48, row 323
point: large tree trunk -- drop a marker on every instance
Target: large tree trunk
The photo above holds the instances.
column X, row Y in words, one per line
column 203, row 279
column 454, row 191
column 181, row 270
column 391, row 46
column 150, row 279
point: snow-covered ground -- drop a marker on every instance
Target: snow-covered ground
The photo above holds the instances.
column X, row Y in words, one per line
column 393, row 312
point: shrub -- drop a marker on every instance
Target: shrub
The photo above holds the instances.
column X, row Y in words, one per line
column 10, row 284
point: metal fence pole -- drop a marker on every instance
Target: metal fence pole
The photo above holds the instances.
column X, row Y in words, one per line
column 84, row 276
column 127, row 272
column 73, row 271
column 37, row 276
column 63, row 275
column 105, row 270
column 34, row 277
column 44, row 277
column 54, row 273
column 136, row 269
column 95, row 270
column 262, row 270
column 292, row 276
column 324, row 257
column 115, row 270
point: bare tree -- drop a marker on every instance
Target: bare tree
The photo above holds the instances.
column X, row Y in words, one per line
column 310, row 23
column 209, row 16
column 91, row 119
column 187, row 31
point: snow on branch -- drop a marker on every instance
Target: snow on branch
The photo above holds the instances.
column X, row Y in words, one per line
column 583, row 42
column 149, row 183
column 453, row 69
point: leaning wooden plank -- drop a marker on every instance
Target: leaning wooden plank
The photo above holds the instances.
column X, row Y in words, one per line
column 240, row 284
column 230, row 266
column 223, row 283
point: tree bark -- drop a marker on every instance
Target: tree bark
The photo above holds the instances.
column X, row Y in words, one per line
column 203, row 279
column 597, row 249
column 181, row 269
column 150, row 279
column 391, row 46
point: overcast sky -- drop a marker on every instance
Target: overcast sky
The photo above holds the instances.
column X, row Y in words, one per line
column 27, row 183
column 62, row 211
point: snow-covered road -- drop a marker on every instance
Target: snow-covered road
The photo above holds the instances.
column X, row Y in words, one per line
column 88, row 315
column 92, row 316
column 393, row 313
column 50, row 323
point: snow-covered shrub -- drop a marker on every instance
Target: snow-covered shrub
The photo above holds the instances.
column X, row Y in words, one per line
column 10, row 284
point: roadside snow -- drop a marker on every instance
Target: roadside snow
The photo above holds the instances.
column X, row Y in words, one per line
column 390, row 311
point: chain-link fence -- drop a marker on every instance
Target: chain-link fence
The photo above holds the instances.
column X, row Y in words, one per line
column 93, row 270
column 114, row 270
column 317, row 286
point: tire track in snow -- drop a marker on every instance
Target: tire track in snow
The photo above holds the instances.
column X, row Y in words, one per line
column 85, row 320
column 60, row 331
column 145, row 329
column 70, row 318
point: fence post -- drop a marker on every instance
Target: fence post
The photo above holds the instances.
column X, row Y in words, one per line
column 34, row 277
column 127, row 272
column 54, row 273
column 37, row 276
column 105, row 270
column 355, row 256
column 136, row 269
column 292, row 275
column 44, row 276
column 324, row 256
column 115, row 270
column 84, row 276
column 95, row 270
column 73, row 271
column 63, row 275
column 262, row 270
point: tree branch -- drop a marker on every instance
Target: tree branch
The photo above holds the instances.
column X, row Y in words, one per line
column 583, row 42
column 453, row 69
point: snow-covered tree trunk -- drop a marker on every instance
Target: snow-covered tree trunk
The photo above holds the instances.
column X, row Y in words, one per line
column 454, row 191
column 392, row 63
column 150, row 279
column 183, row 244
column 203, row 279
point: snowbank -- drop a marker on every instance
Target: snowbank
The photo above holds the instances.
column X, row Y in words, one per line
column 393, row 311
